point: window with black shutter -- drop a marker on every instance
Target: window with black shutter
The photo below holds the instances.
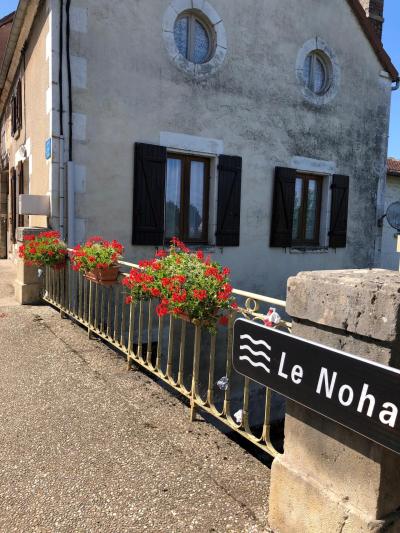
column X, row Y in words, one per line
column 171, row 197
column 149, row 194
column 19, row 105
column 13, row 106
column 296, row 212
column 16, row 110
column 339, row 211
column 229, row 200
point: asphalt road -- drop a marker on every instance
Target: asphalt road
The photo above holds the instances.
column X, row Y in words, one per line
column 86, row 446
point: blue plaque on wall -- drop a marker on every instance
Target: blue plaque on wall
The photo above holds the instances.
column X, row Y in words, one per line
column 48, row 149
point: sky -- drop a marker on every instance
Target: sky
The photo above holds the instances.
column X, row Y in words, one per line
column 392, row 45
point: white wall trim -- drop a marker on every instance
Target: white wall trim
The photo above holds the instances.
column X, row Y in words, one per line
column 191, row 143
column 79, row 72
column 79, row 126
column 79, row 19
column 306, row 164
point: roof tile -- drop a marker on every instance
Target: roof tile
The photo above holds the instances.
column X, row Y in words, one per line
column 393, row 166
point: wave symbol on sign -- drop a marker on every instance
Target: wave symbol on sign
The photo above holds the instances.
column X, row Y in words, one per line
column 253, row 349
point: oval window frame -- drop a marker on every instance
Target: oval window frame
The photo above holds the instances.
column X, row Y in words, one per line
column 320, row 47
column 211, row 20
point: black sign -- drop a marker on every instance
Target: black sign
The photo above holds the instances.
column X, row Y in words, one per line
column 359, row 394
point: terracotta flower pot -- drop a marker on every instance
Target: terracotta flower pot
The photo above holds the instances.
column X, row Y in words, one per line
column 103, row 275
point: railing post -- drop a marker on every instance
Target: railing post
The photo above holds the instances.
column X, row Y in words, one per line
column 195, row 375
column 331, row 478
column 90, row 310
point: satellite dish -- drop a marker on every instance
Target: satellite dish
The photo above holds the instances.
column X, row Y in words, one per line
column 393, row 215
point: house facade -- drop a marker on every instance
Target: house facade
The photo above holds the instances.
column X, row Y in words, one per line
column 390, row 256
column 246, row 132
column 5, row 29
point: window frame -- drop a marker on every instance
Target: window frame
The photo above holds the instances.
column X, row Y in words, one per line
column 300, row 240
column 192, row 19
column 16, row 110
column 186, row 160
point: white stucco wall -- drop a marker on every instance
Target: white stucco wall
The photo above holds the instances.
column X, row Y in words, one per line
column 128, row 90
column 390, row 257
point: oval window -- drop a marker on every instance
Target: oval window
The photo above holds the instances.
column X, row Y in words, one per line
column 193, row 38
column 317, row 72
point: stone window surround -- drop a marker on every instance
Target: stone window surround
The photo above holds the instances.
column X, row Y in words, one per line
column 315, row 44
column 176, row 8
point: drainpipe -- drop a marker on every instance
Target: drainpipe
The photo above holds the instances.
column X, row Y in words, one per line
column 61, row 141
column 71, row 166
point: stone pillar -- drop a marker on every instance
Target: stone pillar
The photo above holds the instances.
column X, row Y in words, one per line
column 329, row 478
column 27, row 285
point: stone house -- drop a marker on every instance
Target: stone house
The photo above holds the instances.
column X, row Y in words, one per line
column 5, row 28
column 390, row 256
column 244, row 131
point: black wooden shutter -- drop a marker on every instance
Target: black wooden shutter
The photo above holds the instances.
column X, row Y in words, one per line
column 13, row 116
column 20, row 180
column 229, row 196
column 19, row 105
column 339, row 211
column 283, row 207
column 149, row 194
column 13, row 221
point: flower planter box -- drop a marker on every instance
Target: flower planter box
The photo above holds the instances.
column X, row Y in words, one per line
column 103, row 276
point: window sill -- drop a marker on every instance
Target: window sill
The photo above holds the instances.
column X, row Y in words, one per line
column 309, row 249
column 206, row 248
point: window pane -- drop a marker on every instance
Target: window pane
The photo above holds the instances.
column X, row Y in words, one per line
column 195, row 229
column 173, row 197
column 315, row 73
column 311, row 217
column 201, row 44
column 308, row 71
column 181, row 35
column 297, row 208
column 319, row 78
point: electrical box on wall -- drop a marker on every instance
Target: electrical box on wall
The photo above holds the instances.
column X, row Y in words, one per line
column 34, row 204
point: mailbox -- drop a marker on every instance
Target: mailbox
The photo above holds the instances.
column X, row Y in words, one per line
column 34, row 204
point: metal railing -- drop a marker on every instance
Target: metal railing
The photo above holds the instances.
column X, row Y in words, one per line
column 184, row 355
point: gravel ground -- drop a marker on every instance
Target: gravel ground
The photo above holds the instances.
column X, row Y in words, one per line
column 86, row 446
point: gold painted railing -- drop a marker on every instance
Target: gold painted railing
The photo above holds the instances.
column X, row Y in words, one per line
column 184, row 355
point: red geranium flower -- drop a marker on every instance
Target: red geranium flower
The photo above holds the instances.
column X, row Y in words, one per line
column 161, row 310
column 224, row 320
column 200, row 294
